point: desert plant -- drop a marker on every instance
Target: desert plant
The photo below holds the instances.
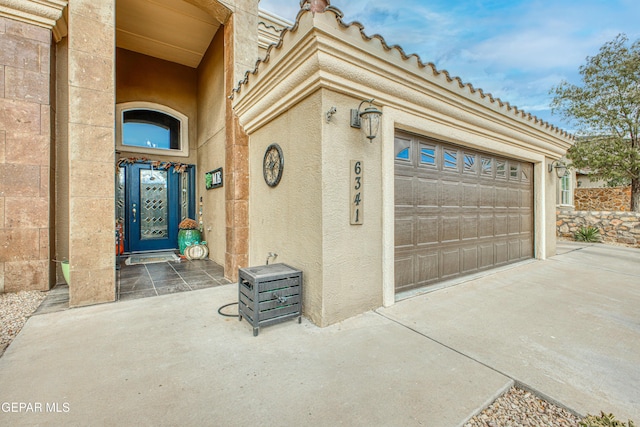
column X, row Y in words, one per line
column 587, row 234
column 604, row 420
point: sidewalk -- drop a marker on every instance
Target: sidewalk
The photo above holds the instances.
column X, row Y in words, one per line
column 568, row 327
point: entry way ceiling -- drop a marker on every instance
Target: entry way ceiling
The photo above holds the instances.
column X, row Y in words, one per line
column 457, row 211
column 172, row 30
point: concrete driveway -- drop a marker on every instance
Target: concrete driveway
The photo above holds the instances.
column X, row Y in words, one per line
column 568, row 327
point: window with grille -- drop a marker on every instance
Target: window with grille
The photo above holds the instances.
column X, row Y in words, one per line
column 565, row 190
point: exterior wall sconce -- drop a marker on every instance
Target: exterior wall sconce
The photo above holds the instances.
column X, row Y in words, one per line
column 367, row 120
column 330, row 113
column 560, row 167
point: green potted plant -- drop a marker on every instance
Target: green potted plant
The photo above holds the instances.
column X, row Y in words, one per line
column 188, row 234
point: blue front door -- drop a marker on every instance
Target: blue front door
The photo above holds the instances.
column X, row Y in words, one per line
column 154, row 205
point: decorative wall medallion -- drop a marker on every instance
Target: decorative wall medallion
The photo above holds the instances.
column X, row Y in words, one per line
column 273, row 165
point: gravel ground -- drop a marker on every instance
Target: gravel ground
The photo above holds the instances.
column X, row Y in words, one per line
column 15, row 309
column 519, row 407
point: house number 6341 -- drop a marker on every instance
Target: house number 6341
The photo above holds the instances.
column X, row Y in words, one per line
column 357, row 187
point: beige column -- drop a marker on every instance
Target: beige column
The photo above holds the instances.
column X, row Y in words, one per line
column 237, row 165
column 91, row 68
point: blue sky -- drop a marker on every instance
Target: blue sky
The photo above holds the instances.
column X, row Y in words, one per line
column 515, row 50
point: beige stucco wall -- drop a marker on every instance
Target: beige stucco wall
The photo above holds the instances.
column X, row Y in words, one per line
column 211, row 145
column 143, row 78
column 288, row 219
column 352, row 254
column 306, row 218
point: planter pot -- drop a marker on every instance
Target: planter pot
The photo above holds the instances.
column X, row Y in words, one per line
column 65, row 270
column 188, row 237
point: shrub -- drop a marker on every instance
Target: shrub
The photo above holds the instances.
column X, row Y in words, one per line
column 604, row 420
column 588, row 234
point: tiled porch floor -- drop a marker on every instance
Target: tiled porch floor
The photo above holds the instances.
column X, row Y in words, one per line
column 149, row 280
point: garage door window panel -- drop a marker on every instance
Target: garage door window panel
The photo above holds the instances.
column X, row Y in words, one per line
column 428, row 155
column 487, row 166
column 514, row 172
column 403, row 149
column 470, row 164
column 450, row 159
column 501, row 169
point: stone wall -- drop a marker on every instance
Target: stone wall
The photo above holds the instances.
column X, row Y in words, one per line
column 25, row 156
column 617, row 199
column 615, row 227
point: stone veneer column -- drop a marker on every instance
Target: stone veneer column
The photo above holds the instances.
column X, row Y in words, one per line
column 91, row 67
column 25, row 156
column 237, row 175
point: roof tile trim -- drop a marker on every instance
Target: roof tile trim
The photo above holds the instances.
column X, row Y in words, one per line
column 339, row 15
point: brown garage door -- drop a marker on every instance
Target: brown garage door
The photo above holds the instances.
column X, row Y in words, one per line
column 457, row 211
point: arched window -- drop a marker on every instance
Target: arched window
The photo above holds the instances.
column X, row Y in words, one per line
column 144, row 127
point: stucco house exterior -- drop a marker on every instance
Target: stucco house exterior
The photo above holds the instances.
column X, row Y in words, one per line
column 454, row 182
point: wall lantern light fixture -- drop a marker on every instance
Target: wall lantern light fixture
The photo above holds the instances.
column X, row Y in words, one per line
column 560, row 167
column 367, row 120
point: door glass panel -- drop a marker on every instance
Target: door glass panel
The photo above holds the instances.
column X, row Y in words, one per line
column 153, row 205
column 184, row 195
column 120, row 190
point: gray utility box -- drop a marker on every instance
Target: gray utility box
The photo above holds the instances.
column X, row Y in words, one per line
column 269, row 294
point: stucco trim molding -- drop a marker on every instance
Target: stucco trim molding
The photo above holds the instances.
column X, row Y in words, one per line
column 43, row 13
column 321, row 54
